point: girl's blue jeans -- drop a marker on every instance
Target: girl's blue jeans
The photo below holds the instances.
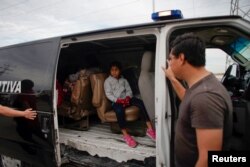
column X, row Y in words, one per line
column 120, row 111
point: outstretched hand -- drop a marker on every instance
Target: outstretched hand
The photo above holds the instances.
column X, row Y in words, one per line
column 29, row 114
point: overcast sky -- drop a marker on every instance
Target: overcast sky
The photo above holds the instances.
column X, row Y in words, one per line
column 27, row 20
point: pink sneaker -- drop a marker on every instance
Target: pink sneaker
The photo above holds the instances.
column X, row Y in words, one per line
column 151, row 134
column 130, row 141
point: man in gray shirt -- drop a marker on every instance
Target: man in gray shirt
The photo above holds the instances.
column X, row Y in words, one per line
column 205, row 108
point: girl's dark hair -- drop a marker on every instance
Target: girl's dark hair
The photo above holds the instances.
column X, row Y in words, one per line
column 192, row 47
column 115, row 64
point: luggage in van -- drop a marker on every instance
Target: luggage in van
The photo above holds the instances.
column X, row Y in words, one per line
column 80, row 106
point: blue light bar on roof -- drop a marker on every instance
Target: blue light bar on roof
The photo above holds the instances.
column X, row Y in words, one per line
column 167, row 15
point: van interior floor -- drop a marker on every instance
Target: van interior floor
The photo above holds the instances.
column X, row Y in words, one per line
column 100, row 141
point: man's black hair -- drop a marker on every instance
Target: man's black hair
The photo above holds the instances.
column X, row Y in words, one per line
column 115, row 64
column 192, row 47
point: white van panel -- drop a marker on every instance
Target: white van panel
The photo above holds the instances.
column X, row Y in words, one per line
column 162, row 105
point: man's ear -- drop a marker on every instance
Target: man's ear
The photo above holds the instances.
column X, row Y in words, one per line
column 182, row 58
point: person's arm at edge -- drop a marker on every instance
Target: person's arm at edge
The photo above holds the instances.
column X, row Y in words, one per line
column 207, row 140
column 9, row 112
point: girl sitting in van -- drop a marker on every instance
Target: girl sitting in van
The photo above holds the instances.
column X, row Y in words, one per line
column 118, row 91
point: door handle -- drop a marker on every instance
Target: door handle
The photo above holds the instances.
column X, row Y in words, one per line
column 45, row 125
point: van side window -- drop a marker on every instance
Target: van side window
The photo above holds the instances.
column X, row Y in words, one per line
column 34, row 62
column 217, row 62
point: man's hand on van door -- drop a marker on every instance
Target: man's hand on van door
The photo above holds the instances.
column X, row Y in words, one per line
column 29, row 114
column 168, row 72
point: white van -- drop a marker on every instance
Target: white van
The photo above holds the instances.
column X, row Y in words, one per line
column 54, row 139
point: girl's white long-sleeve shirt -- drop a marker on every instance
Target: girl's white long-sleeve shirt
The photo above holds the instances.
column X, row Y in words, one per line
column 117, row 88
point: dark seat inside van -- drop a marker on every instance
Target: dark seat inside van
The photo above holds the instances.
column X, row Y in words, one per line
column 241, row 121
column 241, row 118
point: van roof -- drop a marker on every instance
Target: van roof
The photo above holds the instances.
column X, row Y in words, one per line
column 151, row 24
column 137, row 26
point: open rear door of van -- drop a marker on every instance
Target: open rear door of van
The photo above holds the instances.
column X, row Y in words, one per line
column 228, row 33
column 26, row 81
